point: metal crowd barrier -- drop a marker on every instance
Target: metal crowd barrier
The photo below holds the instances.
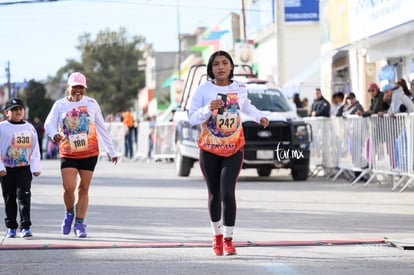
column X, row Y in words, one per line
column 316, row 147
column 157, row 142
column 410, row 139
column 322, row 157
column 143, row 139
column 117, row 133
column 391, row 149
column 352, row 134
column 164, row 141
column 381, row 147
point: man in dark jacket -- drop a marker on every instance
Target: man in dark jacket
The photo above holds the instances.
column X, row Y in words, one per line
column 352, row 105
column 377, row 101
column 320, row 106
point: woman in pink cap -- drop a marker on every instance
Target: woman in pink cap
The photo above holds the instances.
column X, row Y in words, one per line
column 75, row 122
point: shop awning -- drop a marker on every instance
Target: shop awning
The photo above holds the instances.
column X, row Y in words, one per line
column 205, row 44
column 199, row 48
column 213, row 35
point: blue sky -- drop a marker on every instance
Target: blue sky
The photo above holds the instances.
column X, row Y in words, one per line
column 38, row 38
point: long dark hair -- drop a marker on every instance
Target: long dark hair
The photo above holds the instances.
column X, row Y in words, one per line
column 404, row 86
column 297, row 101
column 211, row 60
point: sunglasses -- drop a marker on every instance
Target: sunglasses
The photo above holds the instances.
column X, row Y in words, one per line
column 78, row 87
column 371, row 90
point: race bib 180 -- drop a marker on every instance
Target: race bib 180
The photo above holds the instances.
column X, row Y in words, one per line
column 78, row 142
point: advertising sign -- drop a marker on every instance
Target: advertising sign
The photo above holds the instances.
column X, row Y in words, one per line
column 301, row 10
column 367, row 18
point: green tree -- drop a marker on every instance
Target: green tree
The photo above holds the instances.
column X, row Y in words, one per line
column 110, row 64
column 36, row 100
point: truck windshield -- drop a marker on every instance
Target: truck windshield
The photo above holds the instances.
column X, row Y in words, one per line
column 269, row 100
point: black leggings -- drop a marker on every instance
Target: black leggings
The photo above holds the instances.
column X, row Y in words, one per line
column 221, row 175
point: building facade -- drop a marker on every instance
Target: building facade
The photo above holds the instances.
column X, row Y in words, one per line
column 371, row 42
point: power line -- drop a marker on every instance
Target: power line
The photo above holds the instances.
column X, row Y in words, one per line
column 146, row 3
column 158, row 4
column 25, row 2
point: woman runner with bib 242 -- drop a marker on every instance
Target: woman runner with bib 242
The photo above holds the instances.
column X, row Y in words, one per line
column 216, row 105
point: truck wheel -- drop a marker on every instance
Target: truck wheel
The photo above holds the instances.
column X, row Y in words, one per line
column 264, row 172
column 183, row 164
column 300, row 174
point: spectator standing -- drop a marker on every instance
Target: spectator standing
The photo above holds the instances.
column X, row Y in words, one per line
column 320, row 106
column 300, row 110
column 377, row 101
column 40, row 129
column 352, row 105
column 135, row 135
column 297, row 101
column 129, row 129
column 151, row 136
column 399, row 102
column 412, row 90
column 110, row 118
column 335, row 104
column 403, row 84
column 305, row 105
column 341, row 104
column 305, row 102
column 118, row 117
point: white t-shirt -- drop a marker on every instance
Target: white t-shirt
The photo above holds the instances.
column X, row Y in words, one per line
column 19, row 146
column 199, row 110
column 399, row 98
column 80, row 123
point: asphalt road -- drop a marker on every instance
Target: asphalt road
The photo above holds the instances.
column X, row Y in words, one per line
column 142, row 219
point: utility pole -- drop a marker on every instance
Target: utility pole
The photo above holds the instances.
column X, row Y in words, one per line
column 244, row 21
column 8, row 78
column 280, row 37
column 179, row 39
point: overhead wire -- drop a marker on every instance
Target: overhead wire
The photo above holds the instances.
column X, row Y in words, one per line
column 8, row 3
column 148, row 3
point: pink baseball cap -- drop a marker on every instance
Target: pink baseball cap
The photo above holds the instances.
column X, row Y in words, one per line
column 77, row 78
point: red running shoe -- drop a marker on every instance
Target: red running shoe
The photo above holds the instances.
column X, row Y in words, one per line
column 218, row 245
column 229, row 247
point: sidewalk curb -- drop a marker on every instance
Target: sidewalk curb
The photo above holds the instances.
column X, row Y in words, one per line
column 104, row 245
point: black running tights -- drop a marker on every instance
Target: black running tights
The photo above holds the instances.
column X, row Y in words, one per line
column 220, row 174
